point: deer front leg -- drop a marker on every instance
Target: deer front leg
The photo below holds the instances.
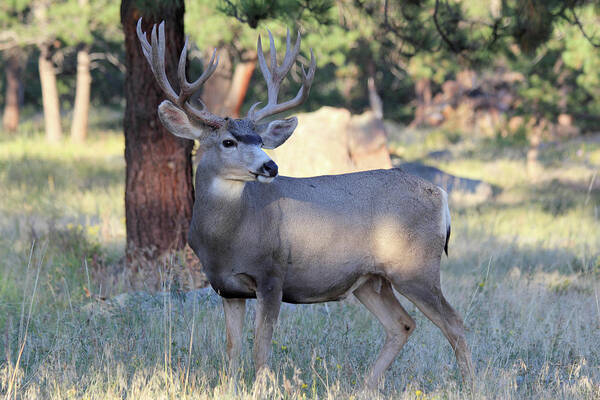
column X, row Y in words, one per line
column 268, row 296
column 235, row 310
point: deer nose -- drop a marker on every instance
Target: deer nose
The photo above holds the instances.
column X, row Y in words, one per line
column 269, row 168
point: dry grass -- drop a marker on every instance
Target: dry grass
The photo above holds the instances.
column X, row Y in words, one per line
column 524, row 271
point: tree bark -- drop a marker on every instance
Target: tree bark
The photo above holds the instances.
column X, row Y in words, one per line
column 158, row 190
column 81, row 109
column 13, row 68
column 49, row 95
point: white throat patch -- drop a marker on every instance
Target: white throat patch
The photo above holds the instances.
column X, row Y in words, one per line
column 227, row 189
column 265, row 179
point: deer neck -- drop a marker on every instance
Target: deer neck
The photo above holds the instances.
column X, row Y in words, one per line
column 218, row 208
column 225, row 191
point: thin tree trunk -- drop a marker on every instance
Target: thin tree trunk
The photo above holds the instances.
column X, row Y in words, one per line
column 423, row 97
column 225, row 91
column 240, row 82
column 158, row 189
column 533, row 164
column 215, row 90
column 13, row 68
column 49, row 95
column 82, row 96
column 375, row 101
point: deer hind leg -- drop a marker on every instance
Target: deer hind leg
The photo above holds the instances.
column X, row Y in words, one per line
column 430, row 300
column 378, row 297
column 235, row 310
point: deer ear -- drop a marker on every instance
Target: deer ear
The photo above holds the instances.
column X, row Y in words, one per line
column 276, row 132
column 178, row 123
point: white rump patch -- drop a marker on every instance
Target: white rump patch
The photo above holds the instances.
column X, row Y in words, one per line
column 445, row 213
column 227, row 189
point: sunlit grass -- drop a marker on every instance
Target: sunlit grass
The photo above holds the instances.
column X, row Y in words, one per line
column 523, row 271
column 78, row 185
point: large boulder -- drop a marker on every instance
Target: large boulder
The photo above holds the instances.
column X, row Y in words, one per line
column 333, row 141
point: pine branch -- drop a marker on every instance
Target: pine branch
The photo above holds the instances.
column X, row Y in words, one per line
column 582, row 30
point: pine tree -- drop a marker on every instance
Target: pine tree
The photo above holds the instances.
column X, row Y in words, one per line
column 158, row 185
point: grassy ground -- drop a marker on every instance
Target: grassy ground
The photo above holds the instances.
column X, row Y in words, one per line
column 524, row 271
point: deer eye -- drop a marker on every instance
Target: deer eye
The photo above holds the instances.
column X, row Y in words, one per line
column 229, row 143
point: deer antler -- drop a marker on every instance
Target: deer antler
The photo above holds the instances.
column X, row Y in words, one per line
column 155, row 55
column 274, row 75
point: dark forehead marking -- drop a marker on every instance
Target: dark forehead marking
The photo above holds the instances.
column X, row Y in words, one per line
column 244, row 131
column 249, row 139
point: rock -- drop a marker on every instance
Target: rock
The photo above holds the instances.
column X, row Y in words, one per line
column 434, row 118
column 332, row 141
column 367, row 142
column 467, row 190
column 467, row 79
column 567, row 131
column 440, row 155
column 515, row 123
column 565, row 127
column 318, row 146
column 474, row 101
column 565, row 120
column 451, row 90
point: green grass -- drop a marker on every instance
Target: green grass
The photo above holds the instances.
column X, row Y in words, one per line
column 524, row 271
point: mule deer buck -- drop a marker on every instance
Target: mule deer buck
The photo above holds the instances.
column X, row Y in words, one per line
column 304, row 240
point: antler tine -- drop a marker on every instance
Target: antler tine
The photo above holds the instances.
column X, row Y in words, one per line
column 155, row 55
column 273, row 53
column 187, row 88
column 183, row 83
column 275, row 74
column 288, row 41
column 302, row 94
column 262, row 62
column 149, row 55
column 146, row 48
column 290, row 56
column 158, row 62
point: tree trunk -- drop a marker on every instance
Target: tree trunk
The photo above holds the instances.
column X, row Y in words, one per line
column 158, row 190
column 13, row 68
column 49, row 95
column 533, row 164
column 423, row 98
column 375, row 101
column 82, row 97
column 225, row 91
column 215, row 90
column 239, row 85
